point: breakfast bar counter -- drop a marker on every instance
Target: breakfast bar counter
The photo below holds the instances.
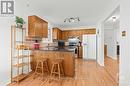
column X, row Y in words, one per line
column 66, row 55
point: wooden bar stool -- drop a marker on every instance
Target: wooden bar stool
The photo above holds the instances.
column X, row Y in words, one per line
column 57, row 67
column 41, row 66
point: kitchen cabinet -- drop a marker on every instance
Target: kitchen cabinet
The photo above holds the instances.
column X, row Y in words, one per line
column 68, row 60
column 63, row 35
column 57, row 34
column 66, row 35
column 73, row 33
column 91, row 31
column 37, row 27
column 80, row 52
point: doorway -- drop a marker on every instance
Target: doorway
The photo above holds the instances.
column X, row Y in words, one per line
column 111, row 44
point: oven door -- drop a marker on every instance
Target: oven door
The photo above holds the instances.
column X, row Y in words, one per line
column 74, row 48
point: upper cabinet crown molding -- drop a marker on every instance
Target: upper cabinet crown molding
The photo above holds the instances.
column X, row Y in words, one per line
column 37, row 27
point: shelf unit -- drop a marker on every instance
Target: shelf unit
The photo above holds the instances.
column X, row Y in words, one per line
column 20, row 55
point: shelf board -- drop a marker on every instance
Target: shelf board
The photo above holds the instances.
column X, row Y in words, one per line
column 19, row 77
column 22, row 47
column 20, row 65
column 22, row 56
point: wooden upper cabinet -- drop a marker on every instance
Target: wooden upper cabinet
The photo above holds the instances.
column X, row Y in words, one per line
column 92, row 31
column 45, row 29
column 65, row 35
column 37, row 27
column 68, row 33
column 57, row 34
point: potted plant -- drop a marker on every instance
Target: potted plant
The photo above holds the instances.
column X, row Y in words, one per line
column 19, row 21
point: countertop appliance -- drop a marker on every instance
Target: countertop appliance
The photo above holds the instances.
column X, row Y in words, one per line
column 89, row 47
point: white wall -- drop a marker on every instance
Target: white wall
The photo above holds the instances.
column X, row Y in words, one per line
column 117, row 35
column 21, row 10
column 111, row 38
column 124, row 75
column 5, row 46
column 100, row 43
column 100, row 28
column 110, row 41
column 125, row 43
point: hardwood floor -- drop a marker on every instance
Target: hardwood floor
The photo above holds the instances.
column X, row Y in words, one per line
column 112, row 67
column 87, row 73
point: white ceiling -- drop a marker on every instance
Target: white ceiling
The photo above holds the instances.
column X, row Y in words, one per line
column 55, row 11
column 109, row 21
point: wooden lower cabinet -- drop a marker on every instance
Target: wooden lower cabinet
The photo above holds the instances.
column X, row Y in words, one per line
column 80, row 52
column 68, row 60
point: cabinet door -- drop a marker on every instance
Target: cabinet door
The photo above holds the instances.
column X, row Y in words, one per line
column 44, row 31
column 57, row 34
column 66, row 35
column 80, row 52
column 38, row 28
column 31, row 25
column 63, row 35
column 92, row 31
column 60, row 34
column 54, row 33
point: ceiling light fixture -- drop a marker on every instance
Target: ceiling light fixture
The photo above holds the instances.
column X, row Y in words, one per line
column 114, row 19
column 70, row 20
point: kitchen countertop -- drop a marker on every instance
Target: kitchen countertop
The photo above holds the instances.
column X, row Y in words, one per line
column 65, row 49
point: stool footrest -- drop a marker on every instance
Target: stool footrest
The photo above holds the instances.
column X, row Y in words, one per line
column 57, row 68
column 41, row 67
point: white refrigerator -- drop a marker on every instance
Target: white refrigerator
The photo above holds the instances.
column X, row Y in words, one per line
column 89, row 47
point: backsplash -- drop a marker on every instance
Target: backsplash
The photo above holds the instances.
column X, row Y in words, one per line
column 55, row 44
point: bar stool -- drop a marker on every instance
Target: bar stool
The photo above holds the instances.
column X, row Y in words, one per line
column 41, row 66
column 57, row 66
